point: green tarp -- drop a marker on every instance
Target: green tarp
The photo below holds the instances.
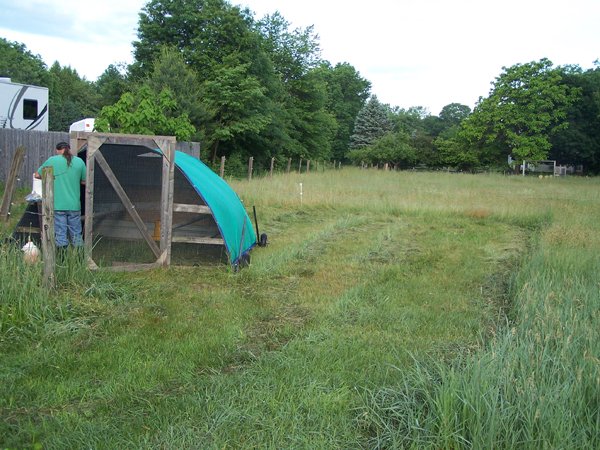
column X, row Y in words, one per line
column 227, row 208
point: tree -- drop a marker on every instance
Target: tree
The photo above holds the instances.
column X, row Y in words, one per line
column 453, row 114
column 170, row 71
column 71, row 98
column 579, row 144
column 260, row 88
column 293, row 52
column 372, row 122
column 22, row 66
column 206, row 32
column 347, row 93
column 112, row 84
column 217, row 43
column 313, row 127
column 144, row 112
column 234, row 102
column 454, row 153
column 526, row 106
column 393, row 148
column 307, row 126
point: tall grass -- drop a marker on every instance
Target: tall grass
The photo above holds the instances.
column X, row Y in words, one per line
column 27, row 304
column 536, row 384
column 23, row 296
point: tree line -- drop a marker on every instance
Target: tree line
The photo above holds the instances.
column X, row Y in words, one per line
column 208, row 71
column 533, row 112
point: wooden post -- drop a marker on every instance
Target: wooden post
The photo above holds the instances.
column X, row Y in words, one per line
column 77, row 140
column 272, row 164
column 250, row 164
column 167, row 147
column 289, row 165
column 300, row 166
column 11, row 182
column 47, row 228
column 93, row 145
column 222, row 171
column 308, row 166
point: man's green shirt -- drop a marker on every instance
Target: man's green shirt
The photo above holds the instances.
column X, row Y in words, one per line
column 67, row 181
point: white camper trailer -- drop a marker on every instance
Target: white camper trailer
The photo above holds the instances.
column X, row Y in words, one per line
column 23, row 106
column 86, row 125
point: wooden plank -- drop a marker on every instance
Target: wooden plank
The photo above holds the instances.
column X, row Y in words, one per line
column 191, row 148
column 119, row 229
column 133, row 139
column 222, row 169
column 129, row 207
column 127, row 229
column 198, row 240
column 48, row 241
column 94, row 144
column 77, row 140
column 127, row 267
column 167, row 148
column 27, row 230
column 196, row 209
column 11, row 182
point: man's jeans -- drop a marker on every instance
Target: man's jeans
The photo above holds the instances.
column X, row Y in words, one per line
column 67, row 222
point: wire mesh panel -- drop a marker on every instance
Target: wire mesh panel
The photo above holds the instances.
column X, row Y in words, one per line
column 117, row 237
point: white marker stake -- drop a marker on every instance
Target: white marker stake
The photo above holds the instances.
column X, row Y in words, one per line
column 300, row 193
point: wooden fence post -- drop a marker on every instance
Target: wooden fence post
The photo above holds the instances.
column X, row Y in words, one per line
column 47, row 228
column 272, row 164
column 222, row 171
column 250, row 164
column 307, row 165
column 300, row 166
column 289, row 166
column 11, row 182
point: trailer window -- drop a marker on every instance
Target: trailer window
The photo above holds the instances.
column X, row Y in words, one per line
column 30, row 109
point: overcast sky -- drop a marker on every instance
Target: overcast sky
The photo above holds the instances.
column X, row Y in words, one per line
column 414, row 52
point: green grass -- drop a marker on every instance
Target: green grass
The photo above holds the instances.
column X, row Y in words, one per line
column 389, row 310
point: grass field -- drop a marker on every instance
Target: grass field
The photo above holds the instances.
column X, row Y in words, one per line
column 390, row 310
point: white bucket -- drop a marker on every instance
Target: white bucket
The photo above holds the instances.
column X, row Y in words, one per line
column 37, row 186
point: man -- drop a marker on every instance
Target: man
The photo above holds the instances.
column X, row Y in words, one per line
column 69, row 174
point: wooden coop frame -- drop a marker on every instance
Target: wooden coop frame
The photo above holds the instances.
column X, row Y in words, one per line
column 95, row 158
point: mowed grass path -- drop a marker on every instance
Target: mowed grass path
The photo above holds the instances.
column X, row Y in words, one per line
column 370, row 273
